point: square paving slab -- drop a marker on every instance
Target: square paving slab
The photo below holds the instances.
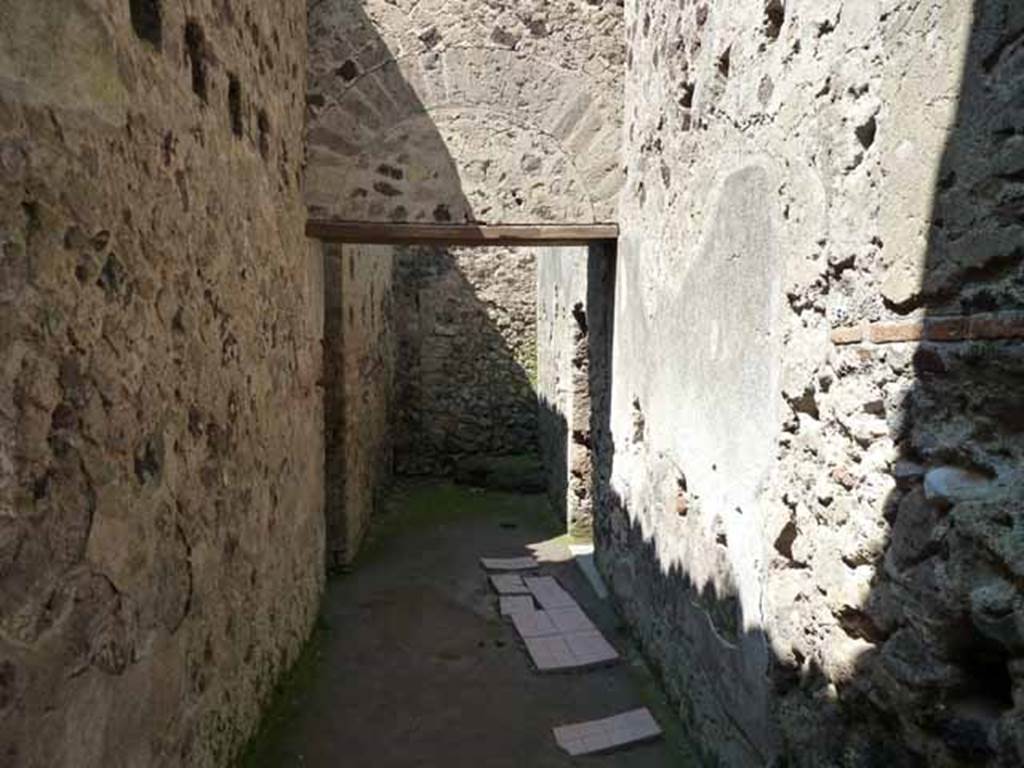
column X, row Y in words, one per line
column 590, row 648
column 614, row 732
column 533, row 624
column 549, row 592
column 509, row 584
column 563, row 653
column 509, row 563
column 561, row 621
column 510, row 605
column 569, row 620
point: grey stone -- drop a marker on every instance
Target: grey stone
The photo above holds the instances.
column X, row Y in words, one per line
column 953, row 484
column 997, row 610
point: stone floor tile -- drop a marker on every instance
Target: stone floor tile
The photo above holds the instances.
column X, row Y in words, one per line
column 575, row 747
column 549, row 592
column 573, row 732
column 550, row 654
column 509, row 584
column 598, row 742
column 535, row 624
column 590, row 648
column 610, row 733
column 512, row 604
column 527, row 563
column 569, row 620
column 577, row 651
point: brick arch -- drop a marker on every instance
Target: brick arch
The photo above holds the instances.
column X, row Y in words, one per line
column 359, row 169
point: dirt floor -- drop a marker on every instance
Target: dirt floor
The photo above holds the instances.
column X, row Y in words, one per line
column 412, row 666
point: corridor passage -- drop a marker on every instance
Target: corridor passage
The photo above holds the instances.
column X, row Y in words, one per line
column 412, row 666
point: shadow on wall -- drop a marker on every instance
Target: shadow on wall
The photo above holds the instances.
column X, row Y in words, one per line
column 359, row 363
column 358, row 105
column 466, row 382
column 412, row 120
column 936, row 662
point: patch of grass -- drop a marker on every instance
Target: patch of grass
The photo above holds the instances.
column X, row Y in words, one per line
column 513, row 464
column 412, row 506
column 517, row 473
column 653, row 696
column 284, row 702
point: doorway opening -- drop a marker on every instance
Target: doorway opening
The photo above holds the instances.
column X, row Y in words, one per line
column 477, row 353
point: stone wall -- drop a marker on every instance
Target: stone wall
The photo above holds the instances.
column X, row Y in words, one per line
column 457, row 110
column 161, row 444
column 360, row 348
column 819, row 545
column 563, row 388
column 467, row 349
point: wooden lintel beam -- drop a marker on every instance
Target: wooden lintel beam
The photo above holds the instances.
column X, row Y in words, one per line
column 384, row 233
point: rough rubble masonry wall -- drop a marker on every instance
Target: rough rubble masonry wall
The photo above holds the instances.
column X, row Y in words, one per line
column 359, row 374
column 467, row 355
column 457, row 110
column 820, row 544
column 160, row 427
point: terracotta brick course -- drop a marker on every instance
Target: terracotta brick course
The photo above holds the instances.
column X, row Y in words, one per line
column 954, row 328
column 1007, row 325
column 946, row 328
column 847, row 335
column 889, row 333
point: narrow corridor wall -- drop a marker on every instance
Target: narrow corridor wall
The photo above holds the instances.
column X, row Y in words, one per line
column 161, row 450
column 360, row 351
column 812, row 520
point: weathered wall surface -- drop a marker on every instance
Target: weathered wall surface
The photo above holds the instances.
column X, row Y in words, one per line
column 160, row 427
column 563, row 386
column 455, row 110
column 360, row 349
column 467, row 349
column 813, row 515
